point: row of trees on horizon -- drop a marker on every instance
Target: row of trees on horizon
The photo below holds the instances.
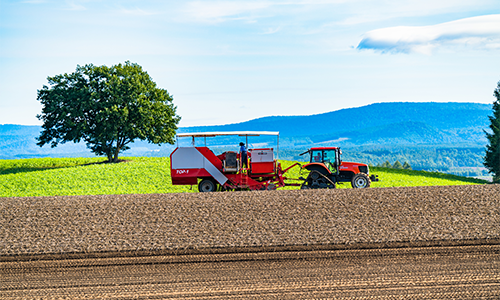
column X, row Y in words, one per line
column 397, row 165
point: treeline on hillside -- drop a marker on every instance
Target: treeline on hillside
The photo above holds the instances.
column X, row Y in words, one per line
column 396, row 165
column 452, row 160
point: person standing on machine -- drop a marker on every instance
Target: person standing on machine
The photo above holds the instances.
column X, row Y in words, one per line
column 243, row 155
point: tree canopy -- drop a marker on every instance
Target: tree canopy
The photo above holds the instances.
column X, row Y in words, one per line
column 492, row 157
column 397, row 165
column 107, row 108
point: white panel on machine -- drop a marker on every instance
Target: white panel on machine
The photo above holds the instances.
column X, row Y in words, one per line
column 187, row 158
column 191, row 158
column 262, row 155
column 212, row 170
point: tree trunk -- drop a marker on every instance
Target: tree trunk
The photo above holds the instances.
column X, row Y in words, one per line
column 119, row 146
column 115, row 158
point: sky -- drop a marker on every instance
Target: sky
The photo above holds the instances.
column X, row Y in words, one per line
column 232, row 61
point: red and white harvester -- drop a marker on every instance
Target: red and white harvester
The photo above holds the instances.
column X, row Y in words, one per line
column 200, row 166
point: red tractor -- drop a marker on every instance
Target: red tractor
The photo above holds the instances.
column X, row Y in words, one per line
column 326, row 169
column 199, row 165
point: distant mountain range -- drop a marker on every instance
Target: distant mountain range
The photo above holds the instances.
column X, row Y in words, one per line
column 398, row 124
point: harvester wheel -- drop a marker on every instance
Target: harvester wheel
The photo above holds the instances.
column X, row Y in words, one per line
column 207, row 185
column 360, row 181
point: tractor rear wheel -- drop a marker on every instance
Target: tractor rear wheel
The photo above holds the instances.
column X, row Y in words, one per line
column 360, row 181
column 207, row 185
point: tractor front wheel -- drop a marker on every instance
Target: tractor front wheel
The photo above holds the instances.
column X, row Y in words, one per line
column 207, row 185
column 360, row 181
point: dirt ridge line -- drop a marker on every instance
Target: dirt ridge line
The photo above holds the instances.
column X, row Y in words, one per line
column 180, row 255
column 392, row 253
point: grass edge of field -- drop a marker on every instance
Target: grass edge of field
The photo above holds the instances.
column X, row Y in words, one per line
column 53, row 166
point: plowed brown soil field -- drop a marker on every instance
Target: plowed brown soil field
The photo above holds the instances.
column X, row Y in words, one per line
column 387, row 243
column 459, row 272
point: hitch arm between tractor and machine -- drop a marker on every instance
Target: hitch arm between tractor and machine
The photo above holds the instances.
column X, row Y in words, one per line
column 295, row 164
column 282, row 178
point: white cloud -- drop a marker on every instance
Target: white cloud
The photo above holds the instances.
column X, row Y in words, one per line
column 481, row 32
column 219, row 11
column 71, row 5
column 224, row 10
column 138, row 12
column 34, row 1
column 272, row 30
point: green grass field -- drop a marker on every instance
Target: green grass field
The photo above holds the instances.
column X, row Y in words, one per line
column 145, row 175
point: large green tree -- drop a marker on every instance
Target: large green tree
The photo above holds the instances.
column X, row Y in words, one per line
column 107, row 108
column 492, row 158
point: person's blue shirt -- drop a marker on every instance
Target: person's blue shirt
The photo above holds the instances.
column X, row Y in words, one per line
column 243, row 149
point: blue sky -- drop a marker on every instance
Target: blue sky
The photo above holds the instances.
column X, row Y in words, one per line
column 232, row 61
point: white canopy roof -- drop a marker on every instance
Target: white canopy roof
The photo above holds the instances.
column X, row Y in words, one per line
column 220, row 133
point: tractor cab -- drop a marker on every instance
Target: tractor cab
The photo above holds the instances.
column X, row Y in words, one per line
column 326, row 169
column 329, row 157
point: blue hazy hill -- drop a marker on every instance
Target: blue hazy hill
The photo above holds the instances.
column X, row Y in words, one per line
column 389, row 124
